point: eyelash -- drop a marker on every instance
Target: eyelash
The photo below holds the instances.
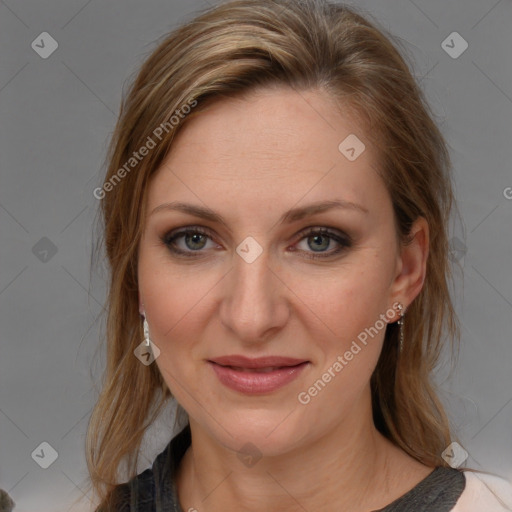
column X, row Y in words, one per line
column 343, row 240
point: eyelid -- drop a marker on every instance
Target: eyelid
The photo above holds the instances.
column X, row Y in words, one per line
column 326, row 230
column 174, row 234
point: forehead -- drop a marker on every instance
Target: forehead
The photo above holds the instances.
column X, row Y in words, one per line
column 272, row 145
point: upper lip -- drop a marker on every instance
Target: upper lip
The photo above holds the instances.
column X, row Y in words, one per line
column 257, row 362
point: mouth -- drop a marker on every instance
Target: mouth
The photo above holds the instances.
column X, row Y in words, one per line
column 258, row 370
column 257, row 376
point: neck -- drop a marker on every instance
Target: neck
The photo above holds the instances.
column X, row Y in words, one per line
column 346, row 468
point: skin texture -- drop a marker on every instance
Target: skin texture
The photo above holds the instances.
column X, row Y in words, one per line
column 252, row 159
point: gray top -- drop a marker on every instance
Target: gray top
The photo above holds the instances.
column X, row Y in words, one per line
column 154, row 490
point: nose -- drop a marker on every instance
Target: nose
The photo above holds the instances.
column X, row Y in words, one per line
column 254, row 306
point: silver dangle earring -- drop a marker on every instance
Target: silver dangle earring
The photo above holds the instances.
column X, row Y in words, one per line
column 146, row 333
column 153, row 351
column 400, row 322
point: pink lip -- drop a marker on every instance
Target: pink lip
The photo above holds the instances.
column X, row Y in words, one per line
column 259, row 375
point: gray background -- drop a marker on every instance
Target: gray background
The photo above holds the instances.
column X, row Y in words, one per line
column 57, row 114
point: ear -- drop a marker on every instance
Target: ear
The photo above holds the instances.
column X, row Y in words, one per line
column 141, row 306
column 412, row 264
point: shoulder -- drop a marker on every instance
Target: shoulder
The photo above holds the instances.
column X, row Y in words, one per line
column 484, row 492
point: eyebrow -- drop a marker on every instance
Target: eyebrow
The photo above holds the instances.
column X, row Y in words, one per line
column 292, row 215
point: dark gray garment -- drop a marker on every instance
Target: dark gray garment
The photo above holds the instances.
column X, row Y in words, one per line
column 154, row 489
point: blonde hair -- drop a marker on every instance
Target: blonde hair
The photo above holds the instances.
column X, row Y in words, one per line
column 234, row 48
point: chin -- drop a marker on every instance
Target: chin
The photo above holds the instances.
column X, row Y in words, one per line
column 262, row 431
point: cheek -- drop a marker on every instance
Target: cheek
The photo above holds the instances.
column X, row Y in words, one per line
column 350, row 340
column 175, row 299
column 343, row 302
column 173, row 294
column 175, row 326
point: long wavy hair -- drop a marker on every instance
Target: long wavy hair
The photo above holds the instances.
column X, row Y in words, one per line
column 234, row 48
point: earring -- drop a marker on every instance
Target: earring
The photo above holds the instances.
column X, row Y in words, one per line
column 146, row 333
column 400, row 322
column 152, row 352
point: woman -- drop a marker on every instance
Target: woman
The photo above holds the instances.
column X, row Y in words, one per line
column 275, row 210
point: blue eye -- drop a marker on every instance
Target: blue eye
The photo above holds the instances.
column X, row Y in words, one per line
column 320, row 239
column 195, row 239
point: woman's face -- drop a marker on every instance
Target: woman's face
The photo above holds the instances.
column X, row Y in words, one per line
column 266, row 275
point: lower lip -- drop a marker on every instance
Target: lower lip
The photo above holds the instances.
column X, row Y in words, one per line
column 255, row 383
